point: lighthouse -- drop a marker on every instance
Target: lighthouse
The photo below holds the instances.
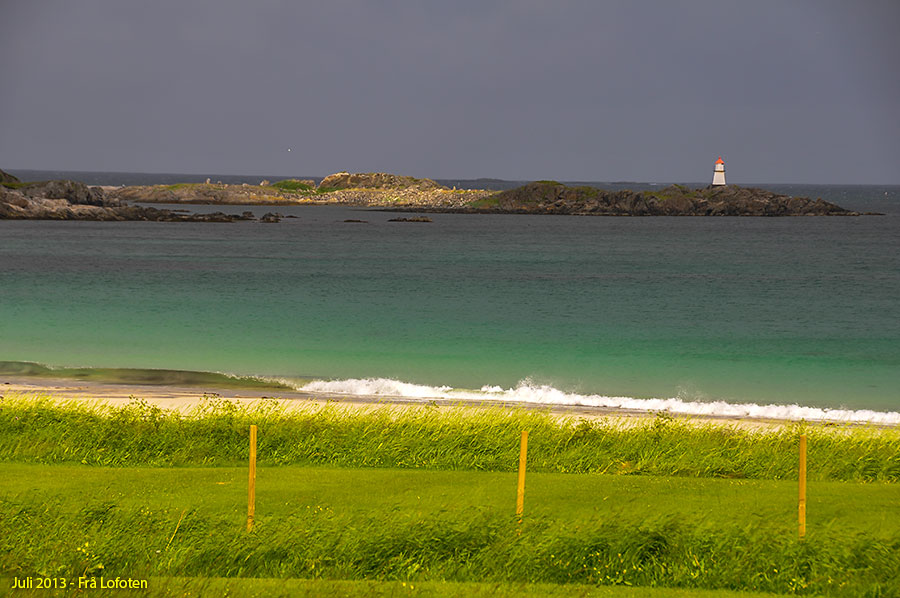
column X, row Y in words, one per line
column 719, row 172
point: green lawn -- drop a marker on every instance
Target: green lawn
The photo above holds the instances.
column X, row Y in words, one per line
column 573, row 499
column 364, row 532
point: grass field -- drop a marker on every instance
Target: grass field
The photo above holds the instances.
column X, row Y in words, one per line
column 575, row 500
column 436, row 526
column 101, row 501
column 325, row 588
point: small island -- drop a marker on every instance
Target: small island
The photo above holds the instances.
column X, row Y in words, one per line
column 551, row 197
column 70, row 200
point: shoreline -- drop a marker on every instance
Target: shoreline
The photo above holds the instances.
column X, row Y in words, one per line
column 186, row 398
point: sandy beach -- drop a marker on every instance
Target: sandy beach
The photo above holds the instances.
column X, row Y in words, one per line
column 186, row 398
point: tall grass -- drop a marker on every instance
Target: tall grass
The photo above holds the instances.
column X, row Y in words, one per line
column 38, row 429
column 475, row 545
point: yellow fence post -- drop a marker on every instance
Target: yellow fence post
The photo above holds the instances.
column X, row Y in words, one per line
column 251, row 493
column 802, row 478
column 520, row 493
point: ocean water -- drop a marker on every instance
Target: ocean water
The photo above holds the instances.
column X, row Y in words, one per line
column 784, row 317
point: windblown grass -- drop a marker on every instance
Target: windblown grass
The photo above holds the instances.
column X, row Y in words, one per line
column 238, row 587
column 215, row 433
column 388, row 523
column 463, row 546
column 576, row 500
column 326, row 588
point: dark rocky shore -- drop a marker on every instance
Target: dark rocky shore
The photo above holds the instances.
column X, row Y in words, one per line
column 70, row 200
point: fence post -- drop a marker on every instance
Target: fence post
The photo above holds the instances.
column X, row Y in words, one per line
column 251, row 493
column 802, row 479
column 520, row 493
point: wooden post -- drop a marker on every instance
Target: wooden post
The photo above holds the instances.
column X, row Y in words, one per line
column 520, row 493
column 802, row 478
column 251, row 494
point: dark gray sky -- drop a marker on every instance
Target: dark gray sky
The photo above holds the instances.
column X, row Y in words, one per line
column 804, row 91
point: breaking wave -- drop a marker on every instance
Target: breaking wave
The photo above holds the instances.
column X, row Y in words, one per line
column 528, row 392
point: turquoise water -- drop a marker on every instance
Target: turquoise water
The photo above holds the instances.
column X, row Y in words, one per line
column 782, row 311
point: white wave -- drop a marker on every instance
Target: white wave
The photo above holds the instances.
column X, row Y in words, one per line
column 528, row 392
column 378, row 387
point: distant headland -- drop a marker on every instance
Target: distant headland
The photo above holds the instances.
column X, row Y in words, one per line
column 71, row 200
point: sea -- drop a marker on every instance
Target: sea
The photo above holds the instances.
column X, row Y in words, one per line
column 786, row 318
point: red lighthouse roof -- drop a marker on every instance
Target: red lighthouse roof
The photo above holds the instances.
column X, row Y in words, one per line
column 720, row 161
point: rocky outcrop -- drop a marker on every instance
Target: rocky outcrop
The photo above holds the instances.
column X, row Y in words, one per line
column 69, row 200
column 550, row 197
column 411, row 219
column 75, row 193
column 376, row 180
column 5, row 177
column 404, row 199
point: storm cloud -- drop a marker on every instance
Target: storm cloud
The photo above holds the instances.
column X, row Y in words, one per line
column 802, row 91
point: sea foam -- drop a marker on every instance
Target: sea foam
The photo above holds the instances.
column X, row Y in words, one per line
column 530, row 393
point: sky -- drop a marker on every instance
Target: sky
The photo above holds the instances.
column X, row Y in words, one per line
column 786, row 91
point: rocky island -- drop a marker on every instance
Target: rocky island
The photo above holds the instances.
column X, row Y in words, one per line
column 72, row 200
column 551, row 197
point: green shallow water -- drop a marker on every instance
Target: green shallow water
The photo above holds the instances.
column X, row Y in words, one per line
column 790, row 310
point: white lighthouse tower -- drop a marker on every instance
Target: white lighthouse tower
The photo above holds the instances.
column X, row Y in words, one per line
column 719, row 172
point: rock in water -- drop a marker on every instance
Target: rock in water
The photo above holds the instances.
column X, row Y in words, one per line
column 412, row 219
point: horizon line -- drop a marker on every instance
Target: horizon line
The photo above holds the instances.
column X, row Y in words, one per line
column 513, row 180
